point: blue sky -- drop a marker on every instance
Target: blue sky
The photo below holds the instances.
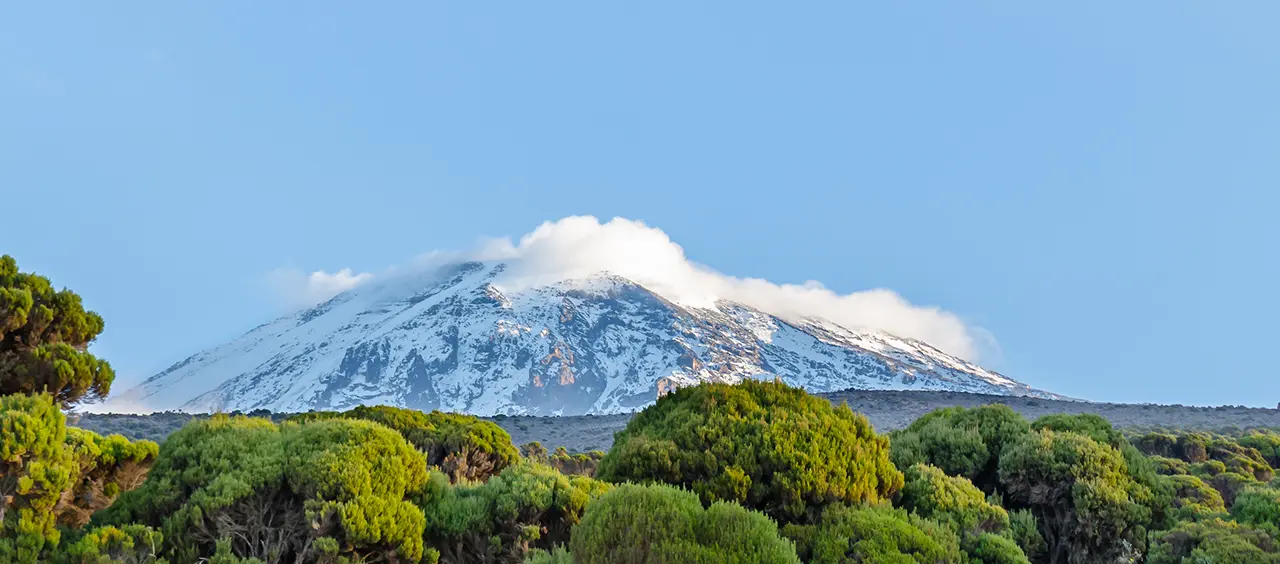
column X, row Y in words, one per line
column 1096, row 184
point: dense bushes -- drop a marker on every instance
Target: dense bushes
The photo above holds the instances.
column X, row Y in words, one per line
column 761, row 474
column 875, row 533
column 1213, row 542
column 281, row 493
column 462, row 446
column 765, row 445
column 50, row 474
column 642, row 524
column 527, row 507
column 962, row 442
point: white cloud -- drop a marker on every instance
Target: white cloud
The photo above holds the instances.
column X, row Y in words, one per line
column 580, row 246
column 297, row 289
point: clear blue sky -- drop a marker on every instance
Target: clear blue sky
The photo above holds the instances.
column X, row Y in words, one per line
column 1095, row 183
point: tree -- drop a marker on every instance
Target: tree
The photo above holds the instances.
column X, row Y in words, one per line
column 962, row 442
column 1079, row 491
column 1267, row 443
column 765, row 445
column 35, row 468
column 526, row 507
column 51, row 474
column 990, row 548
column 635, row 524
column 1194, row 497
column 462, row 446
column 1260, row 508
column 1213, row 542
column 877, row 533
column 331, row 488
column 931, row 494
column 1024, row 530
column 1153, row 491
column 44, row 334
column 130, row 544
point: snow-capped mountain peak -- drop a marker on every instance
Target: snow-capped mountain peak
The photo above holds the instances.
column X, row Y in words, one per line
column 461, row 338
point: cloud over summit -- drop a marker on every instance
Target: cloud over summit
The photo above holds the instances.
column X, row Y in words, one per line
column 581, row 246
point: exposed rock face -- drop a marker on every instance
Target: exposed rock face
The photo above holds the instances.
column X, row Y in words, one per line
column 454, row 340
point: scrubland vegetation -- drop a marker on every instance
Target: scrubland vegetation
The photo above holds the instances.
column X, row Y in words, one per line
column 753, row 473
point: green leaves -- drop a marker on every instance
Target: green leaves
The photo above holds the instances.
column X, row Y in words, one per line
column 43, row 337
column 527, row 506
column 1080, row 492
column 461, row 446
column 931, row 494
column 875, row 534
column 267, row 491
column 50, row 474
column 635, row 524
column 764, row 445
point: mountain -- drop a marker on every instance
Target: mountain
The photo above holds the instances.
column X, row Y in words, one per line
column 451, row 339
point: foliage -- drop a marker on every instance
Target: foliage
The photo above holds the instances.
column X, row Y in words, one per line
column 1080, row 493
column 107, row 466
column 1024, row 530
column 635, row 524
column 1213, row 542
column 954, row 501
column 991, row 548
column 765, row 445
column 35, row 468
column 462, row 446
column 1266, row 442
column 278, row 493
column 962, row 442
column 1169, row 466
column 1191, row 493
column 1259, row 507
column 130, row 544
column 558, row 555
column 875, row 534
column 1153, row 491
column 44, row 334
column 528, row 506
column 51, row 474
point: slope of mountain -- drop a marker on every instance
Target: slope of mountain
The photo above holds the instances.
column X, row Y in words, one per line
column 452, row 340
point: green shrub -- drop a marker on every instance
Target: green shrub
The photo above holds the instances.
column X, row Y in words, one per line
column 962, row 442
column 931, row 494
column 1080, row 493
column 1213, row 542
column 875, row 534
column 269, row 492
column 1153, row 491
column 990, row 548
column 634, row 524
column 1192, row 491
column 1170, row 466
column 558, row 555
column 50, row 474
column 130, row 544
column 1024, row 530
column 1260, row 508
column 462, row 446
column 35, row 468
column 764, row 445
column 526, row 507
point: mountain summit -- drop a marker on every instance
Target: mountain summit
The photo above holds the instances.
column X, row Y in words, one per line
column 453, row 339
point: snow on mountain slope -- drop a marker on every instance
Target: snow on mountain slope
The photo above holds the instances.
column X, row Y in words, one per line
column 453, row 340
